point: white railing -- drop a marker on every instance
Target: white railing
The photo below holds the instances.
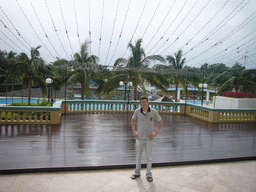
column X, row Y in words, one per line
column 52, row 115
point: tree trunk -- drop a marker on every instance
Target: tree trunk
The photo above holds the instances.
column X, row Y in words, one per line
column 177, row 87
column 82, row 91
column 176, row 93
column 29, row 91
column 135, row 92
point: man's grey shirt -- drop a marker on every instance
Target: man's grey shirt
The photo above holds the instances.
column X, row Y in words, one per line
column 145, row 122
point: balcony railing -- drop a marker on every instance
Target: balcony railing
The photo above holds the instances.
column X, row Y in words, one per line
column 52, row 115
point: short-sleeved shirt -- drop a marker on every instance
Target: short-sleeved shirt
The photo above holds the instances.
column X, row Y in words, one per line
column 145, row 122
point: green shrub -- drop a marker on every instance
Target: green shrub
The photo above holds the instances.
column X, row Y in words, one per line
column 44, row 102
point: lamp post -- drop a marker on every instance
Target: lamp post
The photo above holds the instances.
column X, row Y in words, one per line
column 121, row 83
column 49, row 81
column 203, row 85
column 130, row 85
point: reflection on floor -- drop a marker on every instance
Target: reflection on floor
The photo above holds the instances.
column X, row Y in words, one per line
column 96, row 140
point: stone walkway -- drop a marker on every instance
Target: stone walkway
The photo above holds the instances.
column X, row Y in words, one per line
column 217, row 177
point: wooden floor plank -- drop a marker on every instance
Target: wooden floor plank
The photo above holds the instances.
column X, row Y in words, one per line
column 91, row 140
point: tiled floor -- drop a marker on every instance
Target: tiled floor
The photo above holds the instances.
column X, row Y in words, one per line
column 219, row 177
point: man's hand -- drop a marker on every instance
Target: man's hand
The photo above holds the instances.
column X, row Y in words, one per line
column 153, row 135
column 135, row 133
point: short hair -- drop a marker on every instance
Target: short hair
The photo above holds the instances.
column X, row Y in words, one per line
column 143, row 97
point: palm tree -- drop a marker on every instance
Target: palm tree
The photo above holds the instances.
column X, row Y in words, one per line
column 84, row 66
column 237, row 79
column 7, row 61
column 31, row 71
column 136, row 70
column 60, row 70
column 177, row 63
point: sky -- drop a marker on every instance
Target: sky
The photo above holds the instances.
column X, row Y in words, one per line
column 207, row 31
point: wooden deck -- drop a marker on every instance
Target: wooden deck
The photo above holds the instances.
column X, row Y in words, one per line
column 91, row 141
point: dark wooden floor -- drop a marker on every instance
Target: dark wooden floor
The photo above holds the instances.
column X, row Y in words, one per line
column 98, row 140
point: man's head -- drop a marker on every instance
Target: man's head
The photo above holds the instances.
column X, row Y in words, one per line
column 144, row 101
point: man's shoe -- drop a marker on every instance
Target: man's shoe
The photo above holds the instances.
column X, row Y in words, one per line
column 134, row 176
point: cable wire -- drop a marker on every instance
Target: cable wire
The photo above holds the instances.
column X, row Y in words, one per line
column 160, row 25
column 44, row 30
column 151, row 19
column 235, row 49
column 9, row 45
column 232, row 33
column 101, row 28
column 176, row 28
column 14, row 27
column 55, row 29
column 136, row 26
column 14, row 35
column 78, row 36
column 205, row 24
column 66, row 28
column 90, row 33
column 12, row 41
column 34, row 29
column 168, row 27
column 120, row 32
column 191, row 23
column 112, row 32
column 215, row 30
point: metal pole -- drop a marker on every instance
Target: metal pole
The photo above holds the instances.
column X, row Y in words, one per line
column 66, row 90
column 48, row 93
column 124, row 91
column 51, row 96
column 6, row 93
column 202, row 94
column 194, row 94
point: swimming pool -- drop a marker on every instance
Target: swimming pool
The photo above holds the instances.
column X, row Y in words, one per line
column 197, row 102
column 10, row 100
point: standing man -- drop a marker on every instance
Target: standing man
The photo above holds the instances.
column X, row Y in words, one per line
column 145, row 118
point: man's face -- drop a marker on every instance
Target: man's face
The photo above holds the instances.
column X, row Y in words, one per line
column 144, row 103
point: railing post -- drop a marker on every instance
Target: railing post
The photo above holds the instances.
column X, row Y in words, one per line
column 182, row 109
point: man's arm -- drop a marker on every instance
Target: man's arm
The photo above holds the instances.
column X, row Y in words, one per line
column 153, row 135
column 135, row 133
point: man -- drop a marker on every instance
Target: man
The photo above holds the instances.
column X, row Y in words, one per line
column 145, row 118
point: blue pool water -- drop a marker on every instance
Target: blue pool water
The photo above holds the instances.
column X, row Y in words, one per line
column 197, row 102
column 16, row 100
